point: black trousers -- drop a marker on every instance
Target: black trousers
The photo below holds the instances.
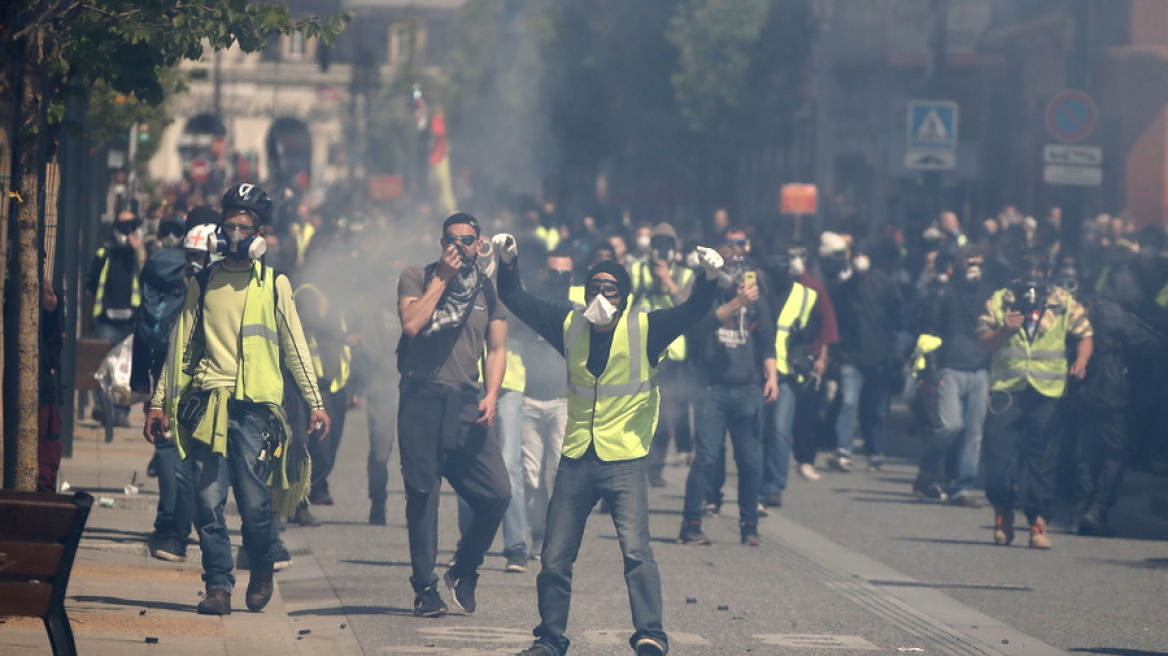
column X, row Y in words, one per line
column 324, row 452
column 1100, row 459
column 1020, row 451
column 474, row 468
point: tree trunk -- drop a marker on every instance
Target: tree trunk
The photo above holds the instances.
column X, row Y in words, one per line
column 27, row 260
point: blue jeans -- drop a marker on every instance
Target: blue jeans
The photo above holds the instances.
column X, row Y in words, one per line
column 580, row 483
column 176, row 494
column 962, row 401
column 777, row 437
column 716, row 410
column 243, row 471
column 864, row 400
column 509, row 431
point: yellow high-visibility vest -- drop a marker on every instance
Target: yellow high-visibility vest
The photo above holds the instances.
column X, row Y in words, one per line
column 99, row 298
column 795, row 314
column 344, row 365
column 617, row 412
column 1041, row 363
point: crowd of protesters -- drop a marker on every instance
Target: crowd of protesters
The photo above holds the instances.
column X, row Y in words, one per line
column 1030, row 370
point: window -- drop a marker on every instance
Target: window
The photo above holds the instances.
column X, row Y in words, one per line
column 294, row 47
column 401, row 42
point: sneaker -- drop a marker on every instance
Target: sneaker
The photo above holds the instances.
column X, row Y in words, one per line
column 749, row 532
column 656, row 479
column 647, row 646
column 1038, row 537
column 169, row 550
column 428, row 603
column 875, row 465
column 712, row 509
column 930, row 492
column 516, row 562
column 691, row 533
column 538, row 648
column 772, row 499
column 280, row 560
column 807, row 471
column 216, row 601
column 762, row 510
column 462, row 589
column 325, row 500
column 839, row 462
column 259, row 591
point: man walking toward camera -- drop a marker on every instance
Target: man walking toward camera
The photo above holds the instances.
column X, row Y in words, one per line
column 613, row 352
column 448, row 310
column 221, row 390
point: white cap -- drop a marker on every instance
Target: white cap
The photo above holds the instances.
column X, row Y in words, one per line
column 830, row 242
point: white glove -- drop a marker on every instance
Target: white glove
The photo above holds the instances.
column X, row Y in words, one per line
column 711, row 261
column 505, row 246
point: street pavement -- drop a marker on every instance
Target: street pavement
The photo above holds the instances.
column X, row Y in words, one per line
column 851, row 564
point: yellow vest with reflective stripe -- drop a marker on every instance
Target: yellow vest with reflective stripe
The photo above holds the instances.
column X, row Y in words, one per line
column 344, row 365
column 549, row 236
column 649, row 299
column 795, row 314
column 99, row 298
column 259, row 378
column 1040, row 363
column 617, row 412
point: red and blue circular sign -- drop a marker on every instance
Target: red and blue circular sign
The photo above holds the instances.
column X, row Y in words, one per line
column 1071, row 116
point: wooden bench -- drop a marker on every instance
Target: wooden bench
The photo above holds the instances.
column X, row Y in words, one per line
column 39, row 536
column 90, row 354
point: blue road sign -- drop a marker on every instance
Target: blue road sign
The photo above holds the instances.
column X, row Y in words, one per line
column 1071, row 116
column 932, row 125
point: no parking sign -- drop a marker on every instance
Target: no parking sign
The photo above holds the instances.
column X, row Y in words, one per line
column 1071, row 116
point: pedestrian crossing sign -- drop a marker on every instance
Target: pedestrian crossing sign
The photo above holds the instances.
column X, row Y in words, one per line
column 932, row 125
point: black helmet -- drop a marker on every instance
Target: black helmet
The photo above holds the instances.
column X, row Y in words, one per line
column 248, row 197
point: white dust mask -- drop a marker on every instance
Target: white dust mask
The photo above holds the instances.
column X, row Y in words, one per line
column 600, row 312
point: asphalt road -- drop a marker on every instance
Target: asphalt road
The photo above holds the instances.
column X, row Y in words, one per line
column 851, row 564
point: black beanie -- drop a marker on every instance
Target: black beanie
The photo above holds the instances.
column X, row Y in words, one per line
column 462, row 217
column 624, row 283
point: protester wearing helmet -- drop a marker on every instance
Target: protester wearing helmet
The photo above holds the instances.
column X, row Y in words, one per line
column 222, row 391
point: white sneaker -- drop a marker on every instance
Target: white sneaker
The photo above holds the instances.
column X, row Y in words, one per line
column 807, row 471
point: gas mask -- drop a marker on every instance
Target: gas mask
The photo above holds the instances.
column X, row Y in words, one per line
column 1029, row 294
column 237, row 246
column 123, row 230
column 600, row 312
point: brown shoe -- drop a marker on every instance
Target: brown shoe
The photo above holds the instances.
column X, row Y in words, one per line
column 259, row 591
column 1038, row 537
column 217, row 601
column 1003, row 526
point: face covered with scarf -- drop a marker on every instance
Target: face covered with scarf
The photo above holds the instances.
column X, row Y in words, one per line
column 458, row 266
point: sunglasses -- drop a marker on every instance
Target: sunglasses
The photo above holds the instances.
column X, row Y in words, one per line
column 466, row 240
column 736, row 242
column 242, row 227
column 603, row 288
